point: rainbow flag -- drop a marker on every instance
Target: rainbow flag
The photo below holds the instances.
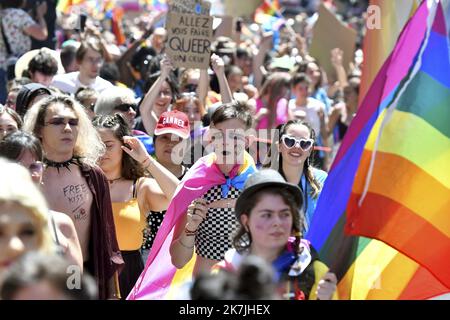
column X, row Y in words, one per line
column 379, row 42
column 116, row 26
column 375, row 183
column 267, row 11
column 160, row 279
column 158, row 5
column 108, row 5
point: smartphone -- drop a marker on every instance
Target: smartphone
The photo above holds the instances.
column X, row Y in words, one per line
column 239, row 25
column 82, row 22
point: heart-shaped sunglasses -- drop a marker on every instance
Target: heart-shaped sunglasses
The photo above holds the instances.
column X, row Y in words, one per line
column 290, row 142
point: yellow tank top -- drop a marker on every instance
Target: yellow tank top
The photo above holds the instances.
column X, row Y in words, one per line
column 129, row 223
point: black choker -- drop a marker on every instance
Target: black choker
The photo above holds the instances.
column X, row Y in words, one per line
column 64, row 164
column 114, row 180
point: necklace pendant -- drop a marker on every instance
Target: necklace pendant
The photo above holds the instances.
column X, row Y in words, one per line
column 114, row 180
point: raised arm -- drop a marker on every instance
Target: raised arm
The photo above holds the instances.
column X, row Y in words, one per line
column 258, row 61
column 219, row 68
column 149, row 118
column 38, row 31
column 332, row 121
column 159, row 196
column 182, row 246
column 124, row 61
column 203, row 86
column 337, row 62
column 93, row 31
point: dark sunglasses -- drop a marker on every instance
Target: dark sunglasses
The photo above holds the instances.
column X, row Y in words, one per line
column 62, row 121
column 125, row 107
column 290, row 142
column 35, row 167
column 190, row 87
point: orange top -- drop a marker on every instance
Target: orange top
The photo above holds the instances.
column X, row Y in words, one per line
column 130, row 223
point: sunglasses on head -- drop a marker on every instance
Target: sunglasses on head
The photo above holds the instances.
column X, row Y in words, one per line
column 63, row 121
column 125, row 107
column 290, row 142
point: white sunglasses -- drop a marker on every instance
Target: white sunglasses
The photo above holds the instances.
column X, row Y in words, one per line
column 290, row 142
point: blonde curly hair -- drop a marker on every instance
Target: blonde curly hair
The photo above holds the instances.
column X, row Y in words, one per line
column 88, row 146
column 28, row 196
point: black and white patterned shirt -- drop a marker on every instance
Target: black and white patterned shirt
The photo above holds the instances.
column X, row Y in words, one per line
column 154, row 221
column 215, row 233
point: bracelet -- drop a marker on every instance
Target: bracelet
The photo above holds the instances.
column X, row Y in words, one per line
column 143, row 163
column 146, row 159
column 190, row 232
column 187, row 247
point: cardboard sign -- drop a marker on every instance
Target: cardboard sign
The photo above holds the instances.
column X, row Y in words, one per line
column 241, row 8
column 330, row 33
column 190, row 6
column 189, row 38
column 225, row 28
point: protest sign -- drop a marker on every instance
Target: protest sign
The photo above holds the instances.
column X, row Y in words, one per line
column 330, row 33
column 189, row 38
column 190, row 6
column 225, row 28
column 241, row 8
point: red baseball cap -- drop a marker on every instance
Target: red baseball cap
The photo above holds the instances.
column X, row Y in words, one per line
column 175, row 122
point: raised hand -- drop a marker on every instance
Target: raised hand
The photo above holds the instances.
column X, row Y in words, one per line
column 337, row 57
column 217, row 64
column 135, row 148
column 321, row 114
column 166, row 66
column 326, row 286
column 196, row 213
column 301, row 45
column 41, row 10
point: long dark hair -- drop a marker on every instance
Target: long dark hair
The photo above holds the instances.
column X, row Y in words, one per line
column 243, row 240
column 131, row 169
column 307, row 166
column 16, row 143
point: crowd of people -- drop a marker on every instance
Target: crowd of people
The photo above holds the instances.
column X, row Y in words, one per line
column 100, row 140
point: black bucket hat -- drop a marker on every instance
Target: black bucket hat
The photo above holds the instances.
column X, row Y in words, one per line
column 265, row 178
column 26, row 94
